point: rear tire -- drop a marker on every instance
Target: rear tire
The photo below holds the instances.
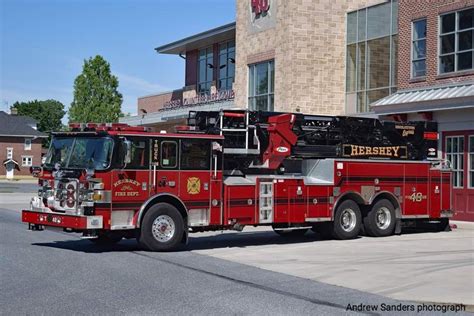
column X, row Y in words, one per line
column 347, row 220
column 380, row 220
column 162, row 228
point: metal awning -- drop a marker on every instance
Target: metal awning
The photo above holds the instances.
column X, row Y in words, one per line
column 437, row 98
column 216, row 35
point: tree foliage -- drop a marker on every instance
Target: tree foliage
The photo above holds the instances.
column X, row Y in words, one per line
column 48, row 114
column 96, row 95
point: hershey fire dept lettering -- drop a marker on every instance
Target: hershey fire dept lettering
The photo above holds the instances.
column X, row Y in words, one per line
column 127, row 187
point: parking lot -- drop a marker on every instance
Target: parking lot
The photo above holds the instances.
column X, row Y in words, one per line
column 424, row 267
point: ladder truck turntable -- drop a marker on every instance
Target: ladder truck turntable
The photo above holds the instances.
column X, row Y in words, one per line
column 227, row 169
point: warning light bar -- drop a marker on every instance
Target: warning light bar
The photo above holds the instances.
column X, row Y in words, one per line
column 102, row 127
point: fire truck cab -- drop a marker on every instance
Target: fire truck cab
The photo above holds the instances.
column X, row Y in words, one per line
column 114, row 181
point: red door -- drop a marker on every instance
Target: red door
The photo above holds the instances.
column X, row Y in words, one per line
column 458, row 148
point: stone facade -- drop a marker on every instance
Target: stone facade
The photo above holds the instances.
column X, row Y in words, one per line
column 307, row 40
column 409, row 11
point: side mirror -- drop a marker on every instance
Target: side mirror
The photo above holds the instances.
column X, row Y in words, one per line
column 127, row 149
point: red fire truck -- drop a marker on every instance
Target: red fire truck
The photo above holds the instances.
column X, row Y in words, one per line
column 224, row 170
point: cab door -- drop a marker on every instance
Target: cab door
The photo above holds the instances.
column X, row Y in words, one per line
column 164, row 166
column 199, row 183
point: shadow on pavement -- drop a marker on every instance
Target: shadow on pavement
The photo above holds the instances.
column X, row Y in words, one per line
column 227, row 240
column 196, row 242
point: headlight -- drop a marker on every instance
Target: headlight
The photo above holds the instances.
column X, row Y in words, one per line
column 97, row 196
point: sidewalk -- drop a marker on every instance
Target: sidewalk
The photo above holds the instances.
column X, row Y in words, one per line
column 19, row 181
column 462, row 225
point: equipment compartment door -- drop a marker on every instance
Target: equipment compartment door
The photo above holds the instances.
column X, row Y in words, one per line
column 416, row 190
column 434, row 193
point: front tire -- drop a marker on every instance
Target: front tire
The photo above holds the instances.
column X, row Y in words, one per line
column 162, row 228
column 380, row 221
column 347, row 220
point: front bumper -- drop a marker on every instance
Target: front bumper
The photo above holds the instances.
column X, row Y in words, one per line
column 62, row 220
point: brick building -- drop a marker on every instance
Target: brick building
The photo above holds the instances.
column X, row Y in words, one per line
column 278, row 56
column 210, row 60
column 395, row 59
column 436, row 82
column 20, row 145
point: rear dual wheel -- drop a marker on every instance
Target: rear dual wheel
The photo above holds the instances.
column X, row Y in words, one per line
column 346, row 225
column 380, row 220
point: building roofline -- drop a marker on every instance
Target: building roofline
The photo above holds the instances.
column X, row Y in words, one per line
column 160, row 93
column 25, row 135
column 178, row 47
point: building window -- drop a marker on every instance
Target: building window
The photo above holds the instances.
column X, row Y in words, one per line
column 27, row 144
column 455, row 155
column 205, row 70
column 26, row 161
column 456, row 37
column 226, row 65
column 261, row 86
column 9, row 153
column 471, row 162
column 418, row 49
column 371, row 55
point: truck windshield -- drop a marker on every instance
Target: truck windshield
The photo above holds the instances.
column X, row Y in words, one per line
column 80, row 152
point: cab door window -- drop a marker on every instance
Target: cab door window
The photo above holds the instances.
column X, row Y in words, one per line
column 195, row 154
column 169, row 154
column 140, row 158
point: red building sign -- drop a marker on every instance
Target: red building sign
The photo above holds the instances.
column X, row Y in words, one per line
column 260, row 6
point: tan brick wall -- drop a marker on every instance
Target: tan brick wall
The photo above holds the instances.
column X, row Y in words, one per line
column 308, row 45
column 410, row 10
column 18, row 145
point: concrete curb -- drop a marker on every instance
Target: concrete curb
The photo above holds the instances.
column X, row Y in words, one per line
column 463, row 225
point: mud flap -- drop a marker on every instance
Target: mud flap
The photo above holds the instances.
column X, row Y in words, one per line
column 185, row 239
column 444, row 225
column 398, row 227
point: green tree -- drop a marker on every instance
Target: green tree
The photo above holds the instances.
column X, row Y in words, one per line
column 96, row 98
column 48, row 114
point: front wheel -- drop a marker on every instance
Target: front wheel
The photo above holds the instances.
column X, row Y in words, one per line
column 162, row 228
column 347, row 220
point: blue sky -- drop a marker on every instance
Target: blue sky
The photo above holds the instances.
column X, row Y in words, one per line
column 43, row 44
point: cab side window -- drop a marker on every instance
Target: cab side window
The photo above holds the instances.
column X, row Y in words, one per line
column 195, row 154
column 140, row 159
column 169, row 154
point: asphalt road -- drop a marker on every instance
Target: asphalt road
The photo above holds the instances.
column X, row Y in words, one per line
column 18, row 186
column 54, row 273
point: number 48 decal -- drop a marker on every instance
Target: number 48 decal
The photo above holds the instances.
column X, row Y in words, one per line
column 416, row 197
